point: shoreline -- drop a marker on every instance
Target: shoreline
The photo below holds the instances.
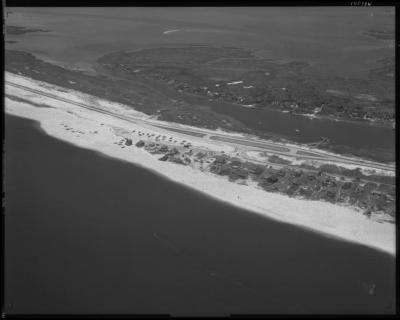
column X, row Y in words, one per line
column 37, row 126
column 330, row 220
column 312, row 116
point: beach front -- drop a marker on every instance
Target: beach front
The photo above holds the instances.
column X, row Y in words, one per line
column 101, row 132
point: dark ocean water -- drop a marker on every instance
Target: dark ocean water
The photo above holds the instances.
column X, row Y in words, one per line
column 89, row 234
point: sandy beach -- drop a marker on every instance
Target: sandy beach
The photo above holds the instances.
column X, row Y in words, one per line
column 99, row 132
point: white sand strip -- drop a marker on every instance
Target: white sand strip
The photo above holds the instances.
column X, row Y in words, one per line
column 99, row 135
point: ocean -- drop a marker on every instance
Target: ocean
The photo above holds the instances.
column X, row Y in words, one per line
column 87, row 234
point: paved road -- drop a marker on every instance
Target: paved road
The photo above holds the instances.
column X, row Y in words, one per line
column 247, row 144
column 191, row 133
column 250, row 143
